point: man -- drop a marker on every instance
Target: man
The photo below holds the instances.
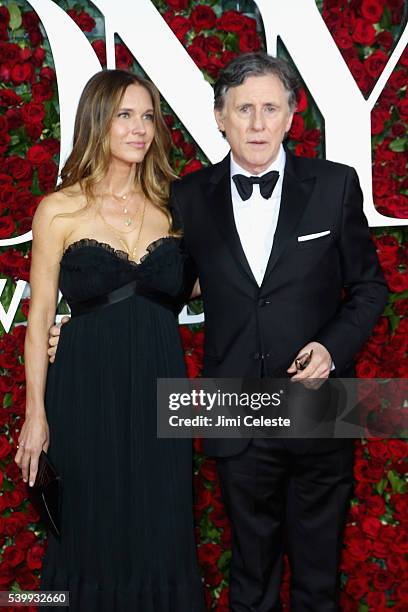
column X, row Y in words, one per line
column 276, row 241
column 274, row 253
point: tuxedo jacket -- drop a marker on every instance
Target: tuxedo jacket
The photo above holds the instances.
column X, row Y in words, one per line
column 327, row 287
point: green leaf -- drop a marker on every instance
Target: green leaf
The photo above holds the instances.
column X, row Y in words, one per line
column 363, row 608
column 15, row 15
column 386, row 19
column 380, row 486
column 398, row 145
column 7, row 400
column 397, row 483
column 394, row 321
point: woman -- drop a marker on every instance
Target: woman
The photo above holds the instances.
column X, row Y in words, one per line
column 108, row 240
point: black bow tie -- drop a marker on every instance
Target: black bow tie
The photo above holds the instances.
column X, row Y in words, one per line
column 267, row 182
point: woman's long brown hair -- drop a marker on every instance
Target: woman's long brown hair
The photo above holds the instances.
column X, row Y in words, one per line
column 90, row 157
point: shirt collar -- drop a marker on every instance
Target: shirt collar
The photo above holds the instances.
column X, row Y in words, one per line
column 278, row 164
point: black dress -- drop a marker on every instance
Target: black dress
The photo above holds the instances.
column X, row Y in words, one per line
column 127, row 539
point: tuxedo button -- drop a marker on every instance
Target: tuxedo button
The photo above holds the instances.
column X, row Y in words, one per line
column 257, row 356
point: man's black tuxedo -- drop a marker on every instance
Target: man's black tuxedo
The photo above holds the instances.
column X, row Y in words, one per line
column 329, row 289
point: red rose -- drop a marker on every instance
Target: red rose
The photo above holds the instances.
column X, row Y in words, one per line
column 30, row 20
column 21, row 73
column 123, row 57
column 10, row 53
column 19, row 168
column 400, row 542
column 249, row 41
column 180, row 25
column 38, row 56
column 203, row 17
column 212, row 44
column 397, row 564
column 364, row 32
column 42, row 91
column 34, row 557
column 214, row 66
column 13, row 556
column 198, row 55
column 203, row 499
column 297, row 128
column 366, row 369
column 13, row 116
column 8, row 97
column 100, row 50
column 32, row 112
column 14, row 523
column 302, row 101
column 4, row 16
column 375, row 505
column 359, row 72
column 342, row 37
column 6, row 226
column 4, row 143
column 376, row 600
column 208, row 554
column 189, row 150
column 27, row 580
column 372, row 10
column 357, row 587
column 375, row 63
column 34, row 130
column 178, row 5
column 25, row 539
column 231, row 21
column 311, row 137
column 208, row 470
column 370, row 526
column 47, row 175
column 398, row 448
column 191, row 166
column 47, row 74
column 385, row 39
column 37, row 154
column 82, row 19
column 378, row 118
column 382, row 580
column 305, row 150
column 227, row 57
column 178, row 138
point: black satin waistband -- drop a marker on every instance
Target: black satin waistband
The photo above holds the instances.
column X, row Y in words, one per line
column 123, row 293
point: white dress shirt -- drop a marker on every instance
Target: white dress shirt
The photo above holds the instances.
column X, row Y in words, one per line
column 256, row 218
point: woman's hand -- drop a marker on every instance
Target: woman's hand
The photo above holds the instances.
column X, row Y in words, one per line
column 34, row 438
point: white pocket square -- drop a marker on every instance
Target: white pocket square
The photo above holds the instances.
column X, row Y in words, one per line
column 313, row 236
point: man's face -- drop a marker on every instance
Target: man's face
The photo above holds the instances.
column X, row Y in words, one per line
column 255, row 118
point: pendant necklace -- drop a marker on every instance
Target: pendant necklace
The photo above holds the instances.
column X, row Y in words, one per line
column 130, row 253
column 128, row 220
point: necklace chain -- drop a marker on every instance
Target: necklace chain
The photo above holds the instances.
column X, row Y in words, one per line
column 131, row 253
column 129, row 219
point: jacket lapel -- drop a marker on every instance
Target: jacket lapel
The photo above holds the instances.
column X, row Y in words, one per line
column 296, row 192
column 219, row 196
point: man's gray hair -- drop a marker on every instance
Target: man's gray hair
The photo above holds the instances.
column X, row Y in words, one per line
column 255, row 64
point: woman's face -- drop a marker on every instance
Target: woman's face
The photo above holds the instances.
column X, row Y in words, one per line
column 132, row 128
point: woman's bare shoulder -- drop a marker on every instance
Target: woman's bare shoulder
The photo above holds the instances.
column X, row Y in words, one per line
column 60, row 202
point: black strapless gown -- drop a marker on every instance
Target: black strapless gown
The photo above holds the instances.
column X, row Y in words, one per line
column 127, row 538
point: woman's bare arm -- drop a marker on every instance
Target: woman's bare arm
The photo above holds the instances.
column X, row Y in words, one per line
column 47, row 248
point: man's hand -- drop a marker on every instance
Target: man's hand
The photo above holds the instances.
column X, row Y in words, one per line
column 53, row 338
column 318, row 368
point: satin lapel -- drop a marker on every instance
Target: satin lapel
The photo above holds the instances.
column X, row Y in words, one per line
column 219, row 194
column 296, row 192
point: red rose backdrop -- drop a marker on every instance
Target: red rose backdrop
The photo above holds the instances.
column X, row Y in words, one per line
column 374, row 562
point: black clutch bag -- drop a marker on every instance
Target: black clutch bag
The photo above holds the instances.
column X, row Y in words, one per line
column 45, row 494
